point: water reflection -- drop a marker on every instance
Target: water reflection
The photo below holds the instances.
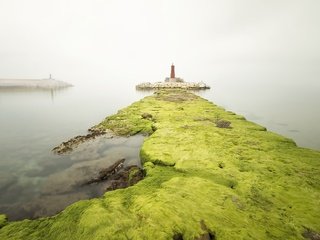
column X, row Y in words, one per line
column 44, row 187
column 32, row 122
column 19, row 90
column 21, row 94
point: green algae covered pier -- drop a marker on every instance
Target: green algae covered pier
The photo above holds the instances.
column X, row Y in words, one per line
column 210, row 174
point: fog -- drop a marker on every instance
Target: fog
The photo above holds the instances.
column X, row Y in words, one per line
column 126, row 42
column 260, row 57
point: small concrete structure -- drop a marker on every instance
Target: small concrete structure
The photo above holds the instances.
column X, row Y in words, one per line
column 181, row 85
column 172, row 82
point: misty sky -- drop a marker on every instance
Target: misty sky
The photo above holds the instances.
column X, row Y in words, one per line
column 137, row 40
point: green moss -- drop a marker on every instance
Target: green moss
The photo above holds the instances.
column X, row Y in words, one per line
column 128, row 121
column 3, row 220
column 241, row 182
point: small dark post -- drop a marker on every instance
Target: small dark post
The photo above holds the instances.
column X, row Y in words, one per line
column 172, row 75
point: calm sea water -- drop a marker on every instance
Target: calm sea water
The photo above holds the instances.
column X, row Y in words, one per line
column 292, row 111
column 34, row 182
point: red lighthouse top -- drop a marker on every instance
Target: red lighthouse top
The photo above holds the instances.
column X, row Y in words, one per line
column 172, row 74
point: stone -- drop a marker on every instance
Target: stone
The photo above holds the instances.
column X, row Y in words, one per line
column 72, row 143
column 146, row 116
column 181, row 85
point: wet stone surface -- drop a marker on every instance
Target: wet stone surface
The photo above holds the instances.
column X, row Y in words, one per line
column 95, row 166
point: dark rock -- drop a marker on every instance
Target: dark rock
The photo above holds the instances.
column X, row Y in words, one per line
column 119, row 176
column 126, row 178
column 154, row 128
column 310, row 234
column 106, row 173
column 146, row 116
column 117, row 184
column 221, row 165
column 177, row 236
column 223, row 124
column 207, row 235
column 74, row 142
column 135, row 175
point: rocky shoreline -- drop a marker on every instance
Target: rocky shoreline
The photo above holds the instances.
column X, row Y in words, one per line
column 172, row 85
column 118, row 175
column 72, row 143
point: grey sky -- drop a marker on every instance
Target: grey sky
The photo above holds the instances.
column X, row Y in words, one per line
column 133, row 40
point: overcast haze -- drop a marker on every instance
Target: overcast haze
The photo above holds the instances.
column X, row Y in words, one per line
column 260, row 57
column 133, row 41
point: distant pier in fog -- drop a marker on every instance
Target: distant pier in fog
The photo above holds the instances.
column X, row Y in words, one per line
column 46, row 83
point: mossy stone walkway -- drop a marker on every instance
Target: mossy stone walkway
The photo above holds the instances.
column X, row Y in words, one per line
column 202, row 182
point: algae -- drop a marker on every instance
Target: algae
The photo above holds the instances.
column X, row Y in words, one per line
column 3, row 220
column 201, row 180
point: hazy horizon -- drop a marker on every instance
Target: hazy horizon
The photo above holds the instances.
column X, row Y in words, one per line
column 92, row 42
